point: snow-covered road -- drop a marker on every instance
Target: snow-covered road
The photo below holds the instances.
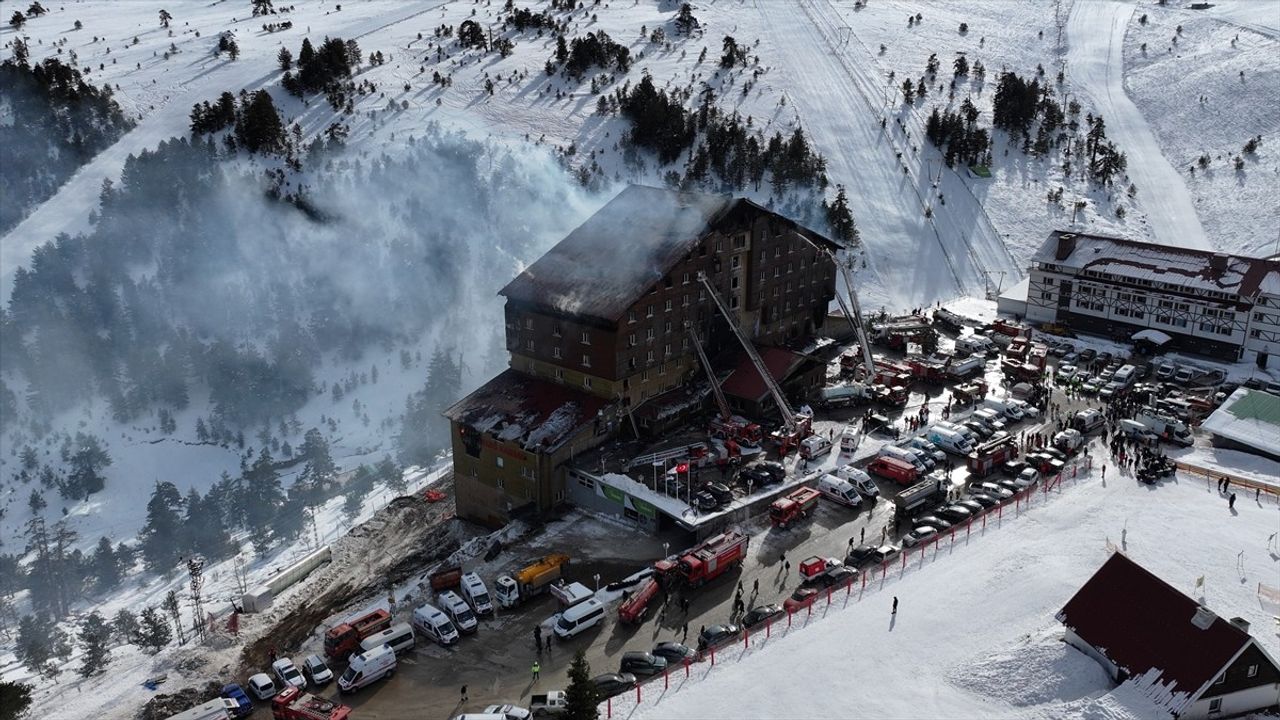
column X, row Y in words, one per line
column 1095, row 67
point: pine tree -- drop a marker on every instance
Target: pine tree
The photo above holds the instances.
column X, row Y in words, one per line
column 840, row 218
column 15, row 698
column 41, row 645
column 581, row 697
column 260, row 497
column 165, row 18
column 105, row 566
column 391, row 475
column 233, row 49
column 316, row 450
column 908, row 91
column 259, row 128
column 36, row 502
column 686, row 23
column 155, row 632
column 284, row 58
column 94, row 635
column 202, row 432
column 307, row 54
column 160, row 534
column 174, row 608
column 87, row 463
column 125, row 626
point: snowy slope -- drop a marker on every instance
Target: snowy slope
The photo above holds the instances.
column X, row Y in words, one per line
column 974, row 635
column 1095, row 68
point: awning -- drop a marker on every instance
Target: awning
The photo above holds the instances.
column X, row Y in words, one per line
column 1155, row 337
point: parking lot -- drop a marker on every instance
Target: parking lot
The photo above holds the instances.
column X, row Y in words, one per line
column 495, row 664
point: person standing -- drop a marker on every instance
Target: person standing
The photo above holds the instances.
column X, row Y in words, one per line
column 464, row 693
column 864, row 534
column 684, row 635
column 537, row 668
column 895, row 605
column 1231, row 501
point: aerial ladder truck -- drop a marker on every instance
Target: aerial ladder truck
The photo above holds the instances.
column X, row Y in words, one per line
column 795, row 426
column 725, row 425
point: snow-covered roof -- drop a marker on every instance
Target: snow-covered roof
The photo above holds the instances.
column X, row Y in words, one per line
column 1249, row 417
column 1153, row 263
column 1145, row 626
column 538, row 414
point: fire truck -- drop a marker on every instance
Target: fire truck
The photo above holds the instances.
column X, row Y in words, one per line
column 292, row 704
column 636, row 606
column 796, row 504
column 707, row 561
column 988, row 457
column 344, row 639
column 929, row 370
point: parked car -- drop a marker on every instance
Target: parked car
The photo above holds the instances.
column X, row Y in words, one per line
column 506, row 712
column 1091, row 387
column 721, row 492
column 991, row 489
column 979, row 428
column 1070, row 358
column 1104, row 358
column 1066, row 372
column 933, row 521
column 836, row 577
column 705, row 501
column 674, row 653
column 717, row 633
column 1111, row 390
column 955, row 513
column 612, row 684
column 760, row 613
column 973, row 506
column 1087, row 355
column 1165, row 371
column 244, row 706
column 884, row 553
column 288, row 673
column 921, row 534
column 262, row 687
column 1028, row 477
column 800, row 599
column 860, row 555
column 1009, row 485
column 315, row 669
column 983, row 499
column 1013, row 468
column 642, row 664
column 762, row 474
column 1185, row 374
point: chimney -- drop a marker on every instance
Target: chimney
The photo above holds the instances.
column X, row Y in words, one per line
column 1218, row 262
column 1203, row 618
column 1066, row 246
column 1241, row 623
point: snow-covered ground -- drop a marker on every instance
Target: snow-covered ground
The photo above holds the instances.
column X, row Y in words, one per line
column 974, row 635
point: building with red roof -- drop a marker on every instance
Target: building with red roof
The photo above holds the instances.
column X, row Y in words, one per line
column 1182, row 655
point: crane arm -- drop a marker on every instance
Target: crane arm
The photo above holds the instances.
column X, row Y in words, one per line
column 788, row 415
column 855, row 317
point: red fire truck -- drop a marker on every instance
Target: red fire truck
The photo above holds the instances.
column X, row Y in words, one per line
column 637, row 605
column 706, row 561
column 988, row 457
column 293, row 704
column 796, row 504
column 342, row 640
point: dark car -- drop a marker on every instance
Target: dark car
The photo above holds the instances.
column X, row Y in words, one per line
column 244, row 706
column 641, row 663
column 716, row 634
column 860, row 555
column 974, row 507
column 1088, row 354
column 954, row 513
column 836, row 577
column 1013, row 468
column 933, row 521
column 762, row 474
column 760, row 613
column 611, row 684
column 721, row 492
column 674, row 653
column 978, row 427
column 705, row 501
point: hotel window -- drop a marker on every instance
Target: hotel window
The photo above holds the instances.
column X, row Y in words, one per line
column 648, row 357
column 667, row 306
column 733, row 282
column 736, row 262
column 686, row 278
column 764, row 255
column 649, row 312
column 762, row 276
column 667, row 349
column 648, row 334
column 1253, row 671
column 684, row 301
column 631, row 340
column 529, row 345
column 777, row 251
column 586, row 381
column 684, row 344
column 528, row 323
column 662, row 369
column 555, row 352
column 631, row 316
column 631, row 363
column 586, row 361
column 498, row 460
column 733, row 302
column 667, row 327
column 555, row 330
column 586, row 338
column 559, row 374
column 777, row 272
column 719, row 244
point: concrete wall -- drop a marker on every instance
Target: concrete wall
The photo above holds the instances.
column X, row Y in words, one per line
column 585, row 493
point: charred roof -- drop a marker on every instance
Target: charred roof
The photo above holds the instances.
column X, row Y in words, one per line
column 603, row 266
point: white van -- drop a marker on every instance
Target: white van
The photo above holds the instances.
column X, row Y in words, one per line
column 367, row 668
column 220, row 709
column 849, row 439
column 860, row 480
column 1009, row 410
column 459, row 611
column 477, row 594
column 1126, row 375
column 398, row 637
column 950, row 440
column 905, row 455
column 968, row 434
column 975, row 344
column 814, row 446
column 839, row 490
column 432, row 622
column 580, row 617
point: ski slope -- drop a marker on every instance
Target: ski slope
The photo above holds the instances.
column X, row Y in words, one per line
column 975, row 635
column 1095, row 64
